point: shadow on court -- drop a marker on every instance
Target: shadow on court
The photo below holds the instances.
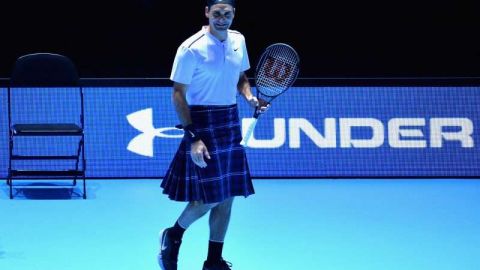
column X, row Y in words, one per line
column 46, row 191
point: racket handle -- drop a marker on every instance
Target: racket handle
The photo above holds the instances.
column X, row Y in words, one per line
column 249, row 133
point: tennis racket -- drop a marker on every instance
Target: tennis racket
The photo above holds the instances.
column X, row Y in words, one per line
column 276, row 71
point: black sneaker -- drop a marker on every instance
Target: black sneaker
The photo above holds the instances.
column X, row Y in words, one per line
column 220, row 265
column 168, row 254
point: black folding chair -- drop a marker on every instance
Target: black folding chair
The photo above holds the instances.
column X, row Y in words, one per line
column 41, row 76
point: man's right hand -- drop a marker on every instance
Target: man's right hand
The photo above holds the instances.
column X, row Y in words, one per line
column 198, row 152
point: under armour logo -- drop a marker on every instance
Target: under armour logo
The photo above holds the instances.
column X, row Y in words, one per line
column 142, row 144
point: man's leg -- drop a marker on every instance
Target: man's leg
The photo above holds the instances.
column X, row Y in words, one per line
column 193, row 211
column 171, row 238
column 219, row 220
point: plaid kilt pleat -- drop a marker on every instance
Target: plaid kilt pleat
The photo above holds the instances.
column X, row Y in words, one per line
column 227, row 173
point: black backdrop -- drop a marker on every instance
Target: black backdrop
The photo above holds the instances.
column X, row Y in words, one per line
column 341, row 38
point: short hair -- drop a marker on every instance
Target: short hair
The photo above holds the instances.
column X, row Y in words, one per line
column 214, row 2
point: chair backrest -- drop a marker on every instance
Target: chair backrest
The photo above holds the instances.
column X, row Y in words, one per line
column 56, row 74
column 44, row 70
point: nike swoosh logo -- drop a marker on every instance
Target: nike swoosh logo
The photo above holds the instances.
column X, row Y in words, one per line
column 164, row 246
column 235, row 49
column 191, row 133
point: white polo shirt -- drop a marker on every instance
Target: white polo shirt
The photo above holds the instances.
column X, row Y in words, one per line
column 210, row 67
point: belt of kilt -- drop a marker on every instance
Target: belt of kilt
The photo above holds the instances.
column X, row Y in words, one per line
column 227, row 173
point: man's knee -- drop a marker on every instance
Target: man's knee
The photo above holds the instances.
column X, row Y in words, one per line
column 196, row 203
column 225, row 206
column 202, row 205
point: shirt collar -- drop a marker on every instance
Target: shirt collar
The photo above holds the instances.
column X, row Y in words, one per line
column 215, row 39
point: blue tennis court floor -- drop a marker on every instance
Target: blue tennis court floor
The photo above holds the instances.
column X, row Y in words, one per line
column 355, row 224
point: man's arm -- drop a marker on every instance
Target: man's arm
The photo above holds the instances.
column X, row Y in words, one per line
column 180, row 103
column 245, row 90
column 198, row 148
column 244, row 87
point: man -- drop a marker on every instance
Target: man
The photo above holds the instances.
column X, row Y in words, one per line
column 210, row 166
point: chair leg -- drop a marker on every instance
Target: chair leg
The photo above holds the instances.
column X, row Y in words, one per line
column 84, row 189
column 84, row 165
column 77, row 162
column 11, row 188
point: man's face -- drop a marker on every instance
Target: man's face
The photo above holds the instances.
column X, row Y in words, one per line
column 220, row 16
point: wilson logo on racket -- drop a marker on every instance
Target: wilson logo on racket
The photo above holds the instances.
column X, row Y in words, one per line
column 277, row 69
column 142, row 144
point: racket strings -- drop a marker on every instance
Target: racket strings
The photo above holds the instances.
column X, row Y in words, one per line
column 277, row 71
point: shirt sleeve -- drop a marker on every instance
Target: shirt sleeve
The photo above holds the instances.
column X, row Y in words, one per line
column 183, row 66
column 245, row 60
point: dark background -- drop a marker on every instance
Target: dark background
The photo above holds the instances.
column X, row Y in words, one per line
column 340, row 38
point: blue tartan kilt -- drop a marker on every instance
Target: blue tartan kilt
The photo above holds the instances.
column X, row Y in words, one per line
column 227, row 173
